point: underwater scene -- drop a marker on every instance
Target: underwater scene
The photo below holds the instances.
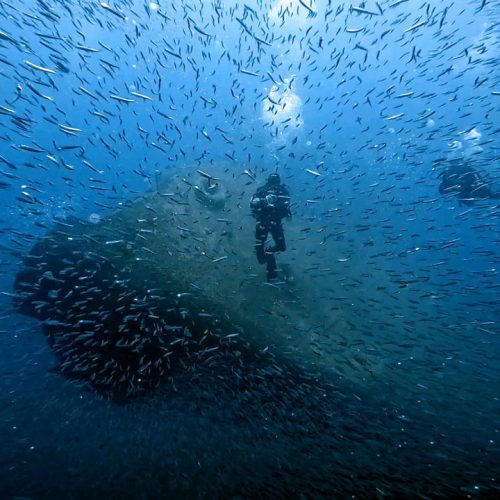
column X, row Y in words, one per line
column 249, row 249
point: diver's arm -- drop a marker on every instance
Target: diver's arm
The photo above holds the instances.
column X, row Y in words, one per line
column 257, row 203
column 284, row 203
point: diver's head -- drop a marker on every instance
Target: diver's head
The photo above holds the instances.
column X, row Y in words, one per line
column 274, row 180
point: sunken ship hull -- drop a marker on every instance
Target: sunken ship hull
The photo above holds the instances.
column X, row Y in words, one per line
column 169, row 281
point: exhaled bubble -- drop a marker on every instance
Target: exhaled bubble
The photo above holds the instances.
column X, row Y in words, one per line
column 94, row 218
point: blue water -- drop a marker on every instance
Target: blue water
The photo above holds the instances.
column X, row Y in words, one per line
column 263, row 85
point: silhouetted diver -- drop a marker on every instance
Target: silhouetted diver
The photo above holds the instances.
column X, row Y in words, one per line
column 462, row 180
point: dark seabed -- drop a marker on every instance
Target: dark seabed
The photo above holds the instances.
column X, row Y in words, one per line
column 274, row 437
column 143, row 351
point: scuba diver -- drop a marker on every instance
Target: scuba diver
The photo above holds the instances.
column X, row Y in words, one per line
column 462, row 180
column 269, row 205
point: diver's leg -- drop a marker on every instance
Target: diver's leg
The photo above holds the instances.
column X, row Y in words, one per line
column 278, row 237
column 271, row 266
column 276, row 230
column 261, row 232
column 483, row 192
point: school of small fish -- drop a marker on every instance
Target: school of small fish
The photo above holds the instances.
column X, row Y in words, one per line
column 360, row 106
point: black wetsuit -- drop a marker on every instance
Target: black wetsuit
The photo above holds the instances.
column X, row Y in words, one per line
column 269, row 205
column 464, row 181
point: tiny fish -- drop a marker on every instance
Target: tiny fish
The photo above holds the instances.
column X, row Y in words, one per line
column 219, row 259
column 394, row 117
column 31, row 149
column 247, row 72
column 362, row 10
column 120, row 99
column 40, row 68
column 86, row 49
column 117, row 13
column 415, row 26
column 313, row 172
column 142, row 96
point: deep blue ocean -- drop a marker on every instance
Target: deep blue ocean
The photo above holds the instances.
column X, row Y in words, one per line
column 372, row 369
